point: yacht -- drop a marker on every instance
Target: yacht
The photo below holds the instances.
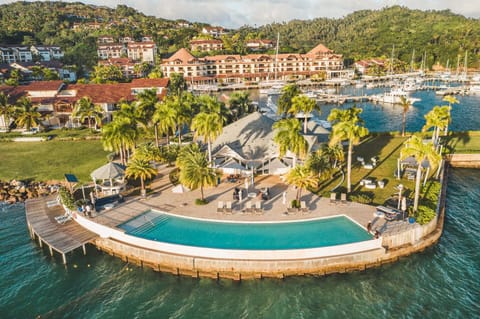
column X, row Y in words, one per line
column 394, row 97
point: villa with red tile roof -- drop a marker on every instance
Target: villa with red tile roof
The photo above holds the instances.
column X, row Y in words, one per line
column 58, row 99
column 202, row 45
column 253, row 67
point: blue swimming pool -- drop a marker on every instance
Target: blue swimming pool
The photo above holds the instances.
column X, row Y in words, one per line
column 161, row 227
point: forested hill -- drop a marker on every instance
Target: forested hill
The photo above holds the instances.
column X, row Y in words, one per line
column 373, row 33
column 362, row 34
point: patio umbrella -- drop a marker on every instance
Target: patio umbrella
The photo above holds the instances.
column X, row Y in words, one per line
column 180, row 189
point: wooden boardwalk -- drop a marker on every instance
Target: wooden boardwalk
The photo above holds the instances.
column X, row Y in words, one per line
column 42, row 225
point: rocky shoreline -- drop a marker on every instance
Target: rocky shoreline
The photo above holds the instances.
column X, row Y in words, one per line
column 18, row 191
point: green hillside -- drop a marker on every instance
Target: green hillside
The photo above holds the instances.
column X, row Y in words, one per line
column 442, row 35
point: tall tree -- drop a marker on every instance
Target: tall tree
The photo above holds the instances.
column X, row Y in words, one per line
column 304, row 104
column 139, row 167
column 451, row 101
column 301, row 177
column 7, row 110
column 120, row 136
column 27, row 115
column 177, row 84
column 347, row 125
column 285, row 100
column 85, row 109
column 195, row 170
column 288, row 138
column 240, row 104
column 209, row 126
column 405, row 103
column 438, row 118
column 422, row 152
column 146, row 106
column 165, row 117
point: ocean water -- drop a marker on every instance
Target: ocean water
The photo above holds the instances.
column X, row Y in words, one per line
column 441, row 282
column 386, row 118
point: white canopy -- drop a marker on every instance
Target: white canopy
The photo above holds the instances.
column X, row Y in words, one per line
column 109, row 171
column 232, row 167
column 179, row 189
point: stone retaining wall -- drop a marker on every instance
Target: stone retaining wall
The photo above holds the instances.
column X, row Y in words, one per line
column 464, row 160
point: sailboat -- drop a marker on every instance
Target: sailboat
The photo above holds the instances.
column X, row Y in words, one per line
column 273, row 87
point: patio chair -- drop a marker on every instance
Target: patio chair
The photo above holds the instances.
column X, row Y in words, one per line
column 63, row 218
column 333, row 197
column 343, row 198
column 303, row 207
column 258, row 208
column 220, row 207
column 248, row 207
column 228, row 208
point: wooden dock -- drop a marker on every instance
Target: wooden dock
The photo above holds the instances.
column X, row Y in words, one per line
column 63, row 238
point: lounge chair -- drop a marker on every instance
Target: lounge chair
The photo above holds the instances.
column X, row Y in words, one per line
column 228, row 208
column 303, row 207
column 333, row 197
column 63, row 218
column 220, row 207
column 258, row 208
column 248, row 208
column 343, row 198
column 54, row 202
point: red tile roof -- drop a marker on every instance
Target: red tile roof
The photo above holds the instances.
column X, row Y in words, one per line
column 43, row 86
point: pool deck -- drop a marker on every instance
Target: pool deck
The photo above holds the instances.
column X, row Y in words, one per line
column 163, row 199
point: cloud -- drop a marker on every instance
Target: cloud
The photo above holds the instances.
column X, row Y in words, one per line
column 235, row 13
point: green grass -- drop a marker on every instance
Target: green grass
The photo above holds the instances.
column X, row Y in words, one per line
column 463, row 142
column 387, row 148
column 43, row 161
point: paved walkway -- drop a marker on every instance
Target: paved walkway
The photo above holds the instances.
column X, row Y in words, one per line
column 163, row 199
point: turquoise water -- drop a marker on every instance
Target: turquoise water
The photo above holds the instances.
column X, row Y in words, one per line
column 442, row 282
column 250, row 236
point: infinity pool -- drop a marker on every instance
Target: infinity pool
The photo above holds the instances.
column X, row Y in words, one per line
column 161, row 227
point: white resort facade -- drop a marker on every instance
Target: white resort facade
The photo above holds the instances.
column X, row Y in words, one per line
column 234, row 68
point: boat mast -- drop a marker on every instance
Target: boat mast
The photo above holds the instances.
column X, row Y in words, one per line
column 411, row 62
column 275, row 65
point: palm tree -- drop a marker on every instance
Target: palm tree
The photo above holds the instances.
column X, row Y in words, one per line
column 146, row 101
column 85, row 108
column 240, row 104
column 120, row 136
column 177, row 84
column 415, row 147
column 165, row 117
column 405, row 103
column 301, row 177
column 27, row 114
column 140, row 168
column 451, row 100
column 195, row 171
column 285, row 99
column 288, row 138
column 6, row 109
column 302, row 103
column 347, row 126
column 438, row 118
column 319, row 163
column 149, row 152
column 208, row 125
column 211, row 104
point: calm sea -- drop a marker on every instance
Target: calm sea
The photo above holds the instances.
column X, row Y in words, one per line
column 443, row 281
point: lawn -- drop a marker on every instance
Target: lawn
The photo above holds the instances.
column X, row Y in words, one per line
column 387, row 149
column 43, row 161
column 463, row 142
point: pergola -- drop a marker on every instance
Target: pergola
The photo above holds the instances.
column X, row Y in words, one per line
column 112, row 177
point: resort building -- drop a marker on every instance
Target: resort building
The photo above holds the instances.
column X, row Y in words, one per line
column 144, row 51
column 215, row 32
column 57, row 99
column 248, row 144
column 234, row 68
column 206, row 45
column 22, row 53
column 258, row 45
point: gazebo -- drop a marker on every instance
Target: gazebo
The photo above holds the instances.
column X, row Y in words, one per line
column 112, row 177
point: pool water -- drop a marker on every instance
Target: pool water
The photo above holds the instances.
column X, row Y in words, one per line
column 333, row 231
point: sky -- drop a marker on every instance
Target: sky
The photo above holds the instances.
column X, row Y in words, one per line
column 234, row 14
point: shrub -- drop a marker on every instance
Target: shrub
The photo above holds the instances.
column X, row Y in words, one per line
column 67, row 198
column 200, row 201
column 424, row 214
column 362, row 197
column 295, row 203
column 174, row 176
